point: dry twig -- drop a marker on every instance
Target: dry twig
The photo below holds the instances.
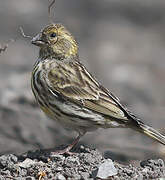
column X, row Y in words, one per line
column 5, row 46
column 23, row 34
column 49, row 10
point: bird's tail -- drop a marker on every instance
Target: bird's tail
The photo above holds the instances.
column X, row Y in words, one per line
column 151, row 132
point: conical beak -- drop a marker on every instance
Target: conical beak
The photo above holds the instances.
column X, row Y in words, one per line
column 37, row 40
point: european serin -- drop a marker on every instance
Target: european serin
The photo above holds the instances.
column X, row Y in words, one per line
column 69, row 94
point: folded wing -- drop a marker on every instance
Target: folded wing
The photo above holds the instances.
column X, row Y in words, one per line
column 74, row 82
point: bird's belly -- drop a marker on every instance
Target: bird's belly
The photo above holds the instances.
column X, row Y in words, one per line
column 76, row 117
column 72, row 116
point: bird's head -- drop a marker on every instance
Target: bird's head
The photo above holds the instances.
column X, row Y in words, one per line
column 55, row 41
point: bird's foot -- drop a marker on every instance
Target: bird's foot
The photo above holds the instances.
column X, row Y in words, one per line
column 67, row 149
column 63, row 151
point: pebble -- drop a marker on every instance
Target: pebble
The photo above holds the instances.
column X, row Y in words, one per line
column 60, row 177
column 26, row 163
column 106, row 169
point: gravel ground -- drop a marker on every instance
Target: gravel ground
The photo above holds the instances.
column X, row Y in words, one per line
column 85, row 164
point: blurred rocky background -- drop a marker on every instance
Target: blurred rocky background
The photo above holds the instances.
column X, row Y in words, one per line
column 121, row 42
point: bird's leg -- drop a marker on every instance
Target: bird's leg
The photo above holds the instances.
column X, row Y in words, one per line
column 67, row 150
column 70, row 146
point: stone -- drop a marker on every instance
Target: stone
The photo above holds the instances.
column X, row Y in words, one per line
column 106, row 169
column 60, row 177
column 26, row 163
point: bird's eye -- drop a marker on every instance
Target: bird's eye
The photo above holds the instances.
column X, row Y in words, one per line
column 53, row 35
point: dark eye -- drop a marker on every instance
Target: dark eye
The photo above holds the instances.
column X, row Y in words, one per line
column 53, row 35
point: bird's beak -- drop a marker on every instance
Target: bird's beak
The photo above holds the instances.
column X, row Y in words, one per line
column 37, row 40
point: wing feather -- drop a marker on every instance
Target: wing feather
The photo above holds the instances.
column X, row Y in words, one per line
column 73, row 81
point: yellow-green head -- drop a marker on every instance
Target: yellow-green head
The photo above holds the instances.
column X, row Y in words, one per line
column 55, row 41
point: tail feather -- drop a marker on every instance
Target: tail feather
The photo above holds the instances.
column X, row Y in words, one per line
column 151, row 132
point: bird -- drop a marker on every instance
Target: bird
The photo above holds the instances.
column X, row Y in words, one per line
column 69, row 94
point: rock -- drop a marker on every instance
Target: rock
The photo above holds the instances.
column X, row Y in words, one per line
column 58, row 158
column 59, row 169
column 106, row 169
column 85, row 175
column 26, row 163
column 72, row 161
column 29, row 178
column 26, row 178
column 60, row 177
column 8, row 160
